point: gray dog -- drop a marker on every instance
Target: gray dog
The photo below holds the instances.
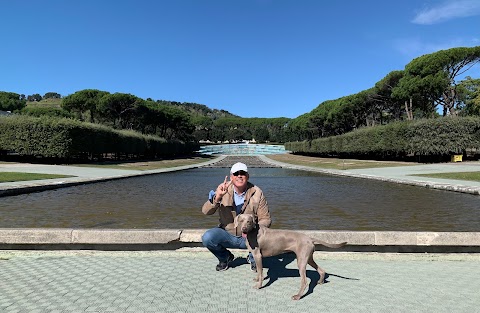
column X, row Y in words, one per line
column 265, row 242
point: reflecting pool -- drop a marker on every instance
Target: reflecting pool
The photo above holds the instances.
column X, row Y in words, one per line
column 297, row 200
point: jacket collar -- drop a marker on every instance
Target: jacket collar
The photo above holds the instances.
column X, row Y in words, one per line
column 248, row 193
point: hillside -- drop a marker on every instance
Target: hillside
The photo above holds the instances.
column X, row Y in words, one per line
column 45, row 103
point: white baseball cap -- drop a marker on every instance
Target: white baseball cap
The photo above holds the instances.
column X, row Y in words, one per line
column 238, row 167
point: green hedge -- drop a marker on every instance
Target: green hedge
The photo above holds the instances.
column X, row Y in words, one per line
column 46, row 111
column 428, row 137
column 63, row 138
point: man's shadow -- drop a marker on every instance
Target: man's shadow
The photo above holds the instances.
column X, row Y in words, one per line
column 276, row 267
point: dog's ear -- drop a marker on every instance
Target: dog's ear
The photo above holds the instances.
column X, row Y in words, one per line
column 254, row 220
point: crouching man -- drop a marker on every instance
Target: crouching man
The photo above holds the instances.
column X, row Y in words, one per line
column 230, row 199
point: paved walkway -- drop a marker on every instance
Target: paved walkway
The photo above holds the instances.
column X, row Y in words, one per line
column 80, row 175
column 186, row 281
column 177, row 281
column 405, row 174
column 401, row 174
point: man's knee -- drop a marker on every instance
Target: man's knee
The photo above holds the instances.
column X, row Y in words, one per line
column 206, row 237
column 209, row 237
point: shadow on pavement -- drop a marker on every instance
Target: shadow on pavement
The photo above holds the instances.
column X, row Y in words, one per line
column 276, row 267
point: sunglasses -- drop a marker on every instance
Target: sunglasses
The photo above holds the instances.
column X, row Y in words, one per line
column 243, row 173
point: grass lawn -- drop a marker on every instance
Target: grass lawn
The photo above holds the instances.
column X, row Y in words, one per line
column 326, row 163
column 149, row 165
column 140, row 165
column 45, row 103
column 333, row 163
column 16, row 176
column 287, row 158
column 472, row 176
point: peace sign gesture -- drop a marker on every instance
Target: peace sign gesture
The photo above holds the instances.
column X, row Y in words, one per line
column 222, row 189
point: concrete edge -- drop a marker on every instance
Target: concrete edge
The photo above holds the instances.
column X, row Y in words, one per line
column 419, row 183
column 69, row 236
column 38, row 186
column 44, row 185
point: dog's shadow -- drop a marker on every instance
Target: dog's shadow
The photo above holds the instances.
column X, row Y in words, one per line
column 276, row 267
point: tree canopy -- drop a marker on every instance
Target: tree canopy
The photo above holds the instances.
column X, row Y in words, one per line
column 426, row 83
column 10, row 101
column 432, row 78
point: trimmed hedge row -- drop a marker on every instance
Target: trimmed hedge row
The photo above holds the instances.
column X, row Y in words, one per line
column 427, row 137
column 63, row 138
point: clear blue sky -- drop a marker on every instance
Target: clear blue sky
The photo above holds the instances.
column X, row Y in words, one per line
column 253, row 58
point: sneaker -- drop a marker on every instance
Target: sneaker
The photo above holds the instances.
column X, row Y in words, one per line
column 223, row 266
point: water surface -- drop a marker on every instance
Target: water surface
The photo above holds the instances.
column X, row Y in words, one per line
column 297, row 200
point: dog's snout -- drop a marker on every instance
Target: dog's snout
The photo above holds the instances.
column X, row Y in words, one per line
column 247, row 226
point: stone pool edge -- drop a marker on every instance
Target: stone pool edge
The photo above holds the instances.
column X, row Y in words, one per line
column 174, row 239
column 406, row 180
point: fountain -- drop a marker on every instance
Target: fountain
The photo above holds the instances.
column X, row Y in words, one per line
column 242, row 149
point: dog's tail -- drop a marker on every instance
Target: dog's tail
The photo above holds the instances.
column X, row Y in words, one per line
column 330, row 245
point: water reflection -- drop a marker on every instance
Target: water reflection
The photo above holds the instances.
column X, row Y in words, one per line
column 297, row 199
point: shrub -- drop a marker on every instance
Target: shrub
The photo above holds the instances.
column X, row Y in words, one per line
column 426, row 137
column 64, row 138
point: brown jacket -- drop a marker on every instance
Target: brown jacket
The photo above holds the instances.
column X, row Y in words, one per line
column 255, row 203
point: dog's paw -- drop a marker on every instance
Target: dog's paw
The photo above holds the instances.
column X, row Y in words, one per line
column 296, row 297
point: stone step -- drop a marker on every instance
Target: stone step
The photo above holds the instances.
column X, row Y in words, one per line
column 250, row 161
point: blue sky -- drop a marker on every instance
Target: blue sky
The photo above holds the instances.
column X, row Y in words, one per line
column 253, row 58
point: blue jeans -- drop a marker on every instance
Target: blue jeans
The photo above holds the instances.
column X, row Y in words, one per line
column 217, row 240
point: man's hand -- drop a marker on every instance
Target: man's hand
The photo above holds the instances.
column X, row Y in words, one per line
column 222, row 189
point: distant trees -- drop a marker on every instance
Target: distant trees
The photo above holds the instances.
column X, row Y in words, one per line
column 52, row 95
column 118, row 109
column 469, row 96
column 238, row 128
column 167, row 119
column 389, row 107
column 431, row 80
column 84, row 103
column 35, row 97
column 126, row 111
column 10, row 101
column 163, row 120
column 426, row 82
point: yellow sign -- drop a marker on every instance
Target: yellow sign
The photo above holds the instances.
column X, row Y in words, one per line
column 457, row 158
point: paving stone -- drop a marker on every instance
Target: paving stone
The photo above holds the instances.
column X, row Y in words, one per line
column 168, row 281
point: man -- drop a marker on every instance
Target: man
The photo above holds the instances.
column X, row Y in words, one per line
column 230, row 199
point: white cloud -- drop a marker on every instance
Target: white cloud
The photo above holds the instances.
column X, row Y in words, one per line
column 448, row 10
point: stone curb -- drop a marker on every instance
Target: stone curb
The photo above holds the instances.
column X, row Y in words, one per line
column 35, row 186
column 67, row 236
column 42, row 185
column 416, row 182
